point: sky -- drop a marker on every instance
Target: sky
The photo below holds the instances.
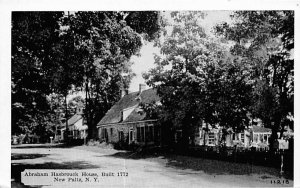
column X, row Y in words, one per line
column 145, row 61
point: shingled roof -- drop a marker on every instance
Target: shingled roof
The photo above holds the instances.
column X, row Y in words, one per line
column 73, row 120
column 114, row 115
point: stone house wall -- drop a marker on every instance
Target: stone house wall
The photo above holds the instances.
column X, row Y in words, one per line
column 114, row 131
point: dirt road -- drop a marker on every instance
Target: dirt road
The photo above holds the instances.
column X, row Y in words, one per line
column 144, row 172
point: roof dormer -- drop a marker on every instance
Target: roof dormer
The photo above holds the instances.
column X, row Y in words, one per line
column 127, row 111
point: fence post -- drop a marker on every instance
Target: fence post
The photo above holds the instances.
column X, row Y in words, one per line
column 281, row 165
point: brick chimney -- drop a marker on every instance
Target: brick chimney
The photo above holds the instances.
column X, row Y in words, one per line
column 142, row 87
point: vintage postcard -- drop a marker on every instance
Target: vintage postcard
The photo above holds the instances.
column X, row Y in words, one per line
column 153, row 97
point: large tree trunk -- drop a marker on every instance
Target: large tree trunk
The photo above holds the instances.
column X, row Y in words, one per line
column 184, row 143
column 91, row 122
column 205, row 134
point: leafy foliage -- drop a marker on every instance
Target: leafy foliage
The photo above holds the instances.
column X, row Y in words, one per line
column 264, row 40
column 74, row 103
column 33, row 36
column 197, row 80
column 105, row 43
column 54, row 52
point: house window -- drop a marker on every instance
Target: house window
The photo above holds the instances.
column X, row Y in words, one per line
column 149, row 133
column 76, row 134
column 242, row 137
column 138, row 135
column 211, row 138
column 265, row 138
column 111, row 131
column 145, row 133
column 255, row 138
column 130, row 136
column 104, row 134
column 142, row 134
column 261, row 138
column 121, row 136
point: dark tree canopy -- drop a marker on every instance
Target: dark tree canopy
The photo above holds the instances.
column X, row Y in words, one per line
column 33, row 36
column 265, row 42
column 57, row 52
column 197, row 80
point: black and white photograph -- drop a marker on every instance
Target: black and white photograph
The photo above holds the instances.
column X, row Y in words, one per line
column 152, row 98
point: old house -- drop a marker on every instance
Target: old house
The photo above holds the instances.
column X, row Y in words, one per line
column 127, row 123
column 76, row 126
column 254, row 136
column 260, row 137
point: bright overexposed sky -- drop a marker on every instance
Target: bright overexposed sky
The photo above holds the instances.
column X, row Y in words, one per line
column 145, row 61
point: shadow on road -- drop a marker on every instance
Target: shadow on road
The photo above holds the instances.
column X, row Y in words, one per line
column 208, row 166
column 217, row 167
column 20, row 156
column 26, row 146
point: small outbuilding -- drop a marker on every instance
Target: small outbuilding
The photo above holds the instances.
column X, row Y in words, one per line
column 76, row 126
column 260, row 137
column 254, row 136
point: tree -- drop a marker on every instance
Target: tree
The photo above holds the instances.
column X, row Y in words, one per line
column 42, row 63
column 59, row 53
column 103, row 43
column 33, row 36
column 264, row 40
column 197, row 80
column 73, row 104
